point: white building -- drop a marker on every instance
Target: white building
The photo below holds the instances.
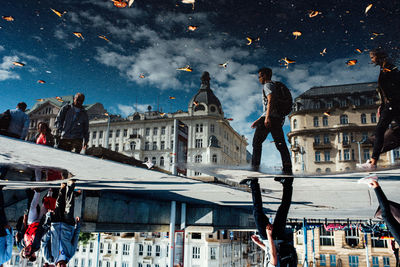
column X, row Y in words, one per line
column 150, row 135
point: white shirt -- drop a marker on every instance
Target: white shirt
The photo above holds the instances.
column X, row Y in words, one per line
column 267, row 89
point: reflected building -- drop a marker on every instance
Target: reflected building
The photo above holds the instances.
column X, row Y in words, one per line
column 329, row 125
column 149, row 136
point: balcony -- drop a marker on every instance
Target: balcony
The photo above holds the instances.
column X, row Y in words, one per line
column 346, row 144
column 133, row 136
column 295, row 148
column 322, row 145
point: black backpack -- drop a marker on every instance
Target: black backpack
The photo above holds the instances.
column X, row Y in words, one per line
column 282, row 98
column 5, row 119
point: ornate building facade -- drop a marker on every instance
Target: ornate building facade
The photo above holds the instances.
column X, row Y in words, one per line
column 329, row 127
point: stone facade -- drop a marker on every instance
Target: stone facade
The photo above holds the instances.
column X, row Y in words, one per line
column 329, row 125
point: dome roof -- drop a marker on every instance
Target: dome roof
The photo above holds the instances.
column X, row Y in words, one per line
column 205, row 96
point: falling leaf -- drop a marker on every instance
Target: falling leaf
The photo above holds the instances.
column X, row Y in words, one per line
column 327, row 113
column 297, row 34
column 192, row 28
column 19, row 64
column 103, row 37
column 189, row 2
column 141, row 76
column 78, row 34
column 119, row 4
column 351, row 62
column 223, row 65
column 58, row 13
column 8, row 18
column 313, row 13
column 40, row 99
column 250, row 40
column 172, row 97
column 196, row 103
column 59, row 99
column 162, row 114
column 187, row 68
column 368, row 8
column 323, row 52
column 130, row 2
column 374, row 35
column 358, row 50
column 41, row 81
column 287, row 61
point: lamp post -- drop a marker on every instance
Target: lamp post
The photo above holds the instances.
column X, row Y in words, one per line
column 108, row 130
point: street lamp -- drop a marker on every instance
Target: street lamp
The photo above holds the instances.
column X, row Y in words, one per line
column 108, row 130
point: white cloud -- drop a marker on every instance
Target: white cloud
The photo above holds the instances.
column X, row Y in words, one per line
column 60, row 34
column 2, row 48
column 127, row 110
column 6, row 67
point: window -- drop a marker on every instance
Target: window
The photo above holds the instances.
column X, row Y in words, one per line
column 326, row 139
column 163, row 130
column 196, row 253
column 346, row 154
column 340, row 154
column 214, row 158
column 343, row 102
column 101, row 247
column 125, row 249
column 91, row 247
column 386, row 262
column 316, row 140
column 101, row 134
column 124, row 264
column 296, row 141
column 90, row 263
column 94, row 135
column 317, row 105
column 154, row 160
column 125, row 132
column 155, row 130
column 109, row 248
column 332, row 260
column 199, row 143
column 76, row 262
column 196, row 235
column 322, row 260
column 108, row 264
column 110, row 134
column 317, row 156
column 364, row 136
column 352, row 237
column 344, row 119
column 213, row 253
column 146, row 159
column 133, row 145
column 84, row 248
column 162, row 161
column 147, row 132
column 353, row 261
column 172, row 144
column 154, row 147
column 199, row 128
column 356, row 101
column 327, row 156
column 116, row 248
column 299, row 237
column 117, row 147
column 212, row 128
column 345, row 138
column 373, row 118
column 325, row 120
column 318, row 170
column 172, row 129
column 158, row 251
column 162, row 145
column 376, row 242
column 363, row 118
column 353, row 154
column 396, row 153
column 316, row 122
column 375, row 261
column 117, row 134
column 149, row 250
column 198, row 159
column 140, row 250
column 366, row 154
column 147, row 146
column 294, row 124
column 328, row 170
column 326, row 238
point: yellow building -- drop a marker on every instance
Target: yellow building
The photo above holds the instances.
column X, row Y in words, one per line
column 329, row 125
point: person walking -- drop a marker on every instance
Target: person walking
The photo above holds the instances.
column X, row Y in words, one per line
column 389, row 109
column 61, row 240
column 271, row 121
column 6, row 233
column 19, row 122
column 43, row 136
column 72, row 125
column 273, row 238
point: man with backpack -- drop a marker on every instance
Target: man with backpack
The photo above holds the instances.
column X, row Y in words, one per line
column 15, row 123
column 277, row 103
column 72, row 125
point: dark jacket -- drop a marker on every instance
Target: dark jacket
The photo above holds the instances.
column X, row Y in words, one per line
column 71, row 124
column 389, row 84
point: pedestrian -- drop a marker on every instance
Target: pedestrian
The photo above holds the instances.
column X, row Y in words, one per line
column 6, row 233
column 43, row 135
column 389, row 109
column 271, row 121
column 392, row 223
column 277, row 244
column 72, row 125
column 19, row 122
column 61, row 240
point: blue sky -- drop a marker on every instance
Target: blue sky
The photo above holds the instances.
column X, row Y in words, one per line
column 152, row 38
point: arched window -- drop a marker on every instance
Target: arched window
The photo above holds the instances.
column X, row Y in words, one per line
column 133, row 145
column 316, row 122
column 318, row 170
column 294, row 124
column 328, row 170
column 161, row 161
column 373, row 118
column 199, row 107
column 344, row 119
column 146, row 159
column 198, row 159
column 214, row 158
column 363, row 118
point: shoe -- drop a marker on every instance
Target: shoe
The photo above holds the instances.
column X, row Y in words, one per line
column 367, row 166
column 248, row 181
column 285, row 180
column 368, row 179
